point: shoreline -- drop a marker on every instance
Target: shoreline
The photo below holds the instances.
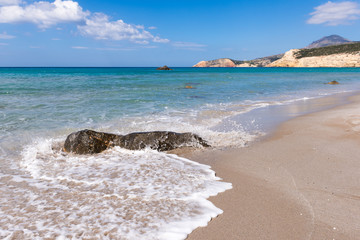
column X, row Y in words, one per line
column 300, row 182
column 142, row 191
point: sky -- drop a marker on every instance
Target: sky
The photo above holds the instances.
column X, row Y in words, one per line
column 177, row 33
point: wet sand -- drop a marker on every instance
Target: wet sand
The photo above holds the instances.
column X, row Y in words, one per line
column 302, row 182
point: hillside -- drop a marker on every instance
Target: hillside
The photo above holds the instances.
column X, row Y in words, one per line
column 335, row 51
column 258, row 62
column 324, row 51
column 329, row 41
column 346, row 55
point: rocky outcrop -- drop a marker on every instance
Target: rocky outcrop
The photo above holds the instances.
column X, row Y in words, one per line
column 291, row 59
column 222, row 62
column 164, row 68
column 244, row 65
column 259, row 62
column 288, row 60
column 90, row 142
column 227, row 62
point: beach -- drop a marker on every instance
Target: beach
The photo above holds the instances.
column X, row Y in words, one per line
column 271, row 132
column 300, row 182
column 154, row 120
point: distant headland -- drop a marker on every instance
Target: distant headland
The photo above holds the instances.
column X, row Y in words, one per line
column 329, row 51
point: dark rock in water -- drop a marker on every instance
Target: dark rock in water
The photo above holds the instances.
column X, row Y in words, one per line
column 161, row 141
column 333, row 82
column 164, row 68
column 89, row 142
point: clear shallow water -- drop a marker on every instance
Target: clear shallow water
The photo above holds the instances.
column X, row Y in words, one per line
column 123, row 194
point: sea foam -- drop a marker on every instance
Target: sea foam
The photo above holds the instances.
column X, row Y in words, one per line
column 118, row 194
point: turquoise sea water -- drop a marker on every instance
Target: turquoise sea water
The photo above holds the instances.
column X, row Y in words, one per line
column 39, row 107
column 45, row 99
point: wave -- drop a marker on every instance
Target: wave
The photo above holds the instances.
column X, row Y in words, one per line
column 118, row 194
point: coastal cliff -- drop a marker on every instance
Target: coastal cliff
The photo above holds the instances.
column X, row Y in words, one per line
column 222, row 62
column 345, row 55
column 330, row 51
column 227, row 62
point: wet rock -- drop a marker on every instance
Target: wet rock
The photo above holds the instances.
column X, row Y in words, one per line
column 90, row 142
column 333, row 82
column 161, row 141
column 164, row 68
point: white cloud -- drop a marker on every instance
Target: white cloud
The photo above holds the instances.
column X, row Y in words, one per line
column 4, row 35
column 3, row 44
column 115, row 49
column 100, row 27
column 47, row 14
column 149, row 47
column 160, row 40
column 152, row 28
column 43, row 14
column 55, row 39
column 144, row 42
column 79, row 47
column 139, row 26
column 9, row 2
column 334, row 14
column 189, row 46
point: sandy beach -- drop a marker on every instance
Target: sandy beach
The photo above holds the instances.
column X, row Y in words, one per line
column 301, row 182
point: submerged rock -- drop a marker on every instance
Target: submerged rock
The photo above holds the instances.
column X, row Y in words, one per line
column 90, row 142
column 164, row 68
column 333, row 82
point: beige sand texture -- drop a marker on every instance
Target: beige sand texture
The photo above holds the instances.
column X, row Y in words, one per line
column 302, row 182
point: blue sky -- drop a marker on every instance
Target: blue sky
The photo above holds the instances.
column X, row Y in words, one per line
column 155, row 33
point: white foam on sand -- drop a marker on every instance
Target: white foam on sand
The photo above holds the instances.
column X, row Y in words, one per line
column 212, row 122
column 118, row 194
column 201, row 122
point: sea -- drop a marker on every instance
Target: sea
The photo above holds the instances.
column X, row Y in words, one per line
column 46, row 193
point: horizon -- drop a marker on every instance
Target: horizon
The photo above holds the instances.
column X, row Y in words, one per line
column 155, row 33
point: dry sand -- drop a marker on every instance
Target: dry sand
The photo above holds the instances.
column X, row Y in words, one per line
column 302, row 182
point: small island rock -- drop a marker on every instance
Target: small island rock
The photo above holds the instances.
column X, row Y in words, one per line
column 333, row 83
column 164, row 68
